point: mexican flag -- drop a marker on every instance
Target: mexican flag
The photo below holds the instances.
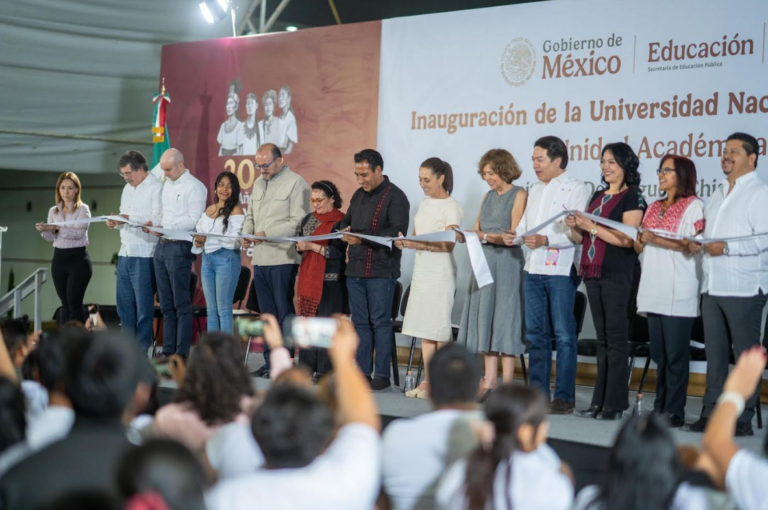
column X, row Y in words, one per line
column 160, row 139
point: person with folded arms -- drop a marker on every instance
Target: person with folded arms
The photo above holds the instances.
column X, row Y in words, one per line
column 71, row 267
column 670, row 280
column 608, row 266
column 735, row 272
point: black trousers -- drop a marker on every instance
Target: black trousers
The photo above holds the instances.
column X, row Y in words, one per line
column 729, row 320
column 609, row 301
column 670, row 338
column 71, row 271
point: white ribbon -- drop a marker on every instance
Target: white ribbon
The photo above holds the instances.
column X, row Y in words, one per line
column 538, row 228
column 477, row 259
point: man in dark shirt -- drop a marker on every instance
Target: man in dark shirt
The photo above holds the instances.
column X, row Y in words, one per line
column 378, row 208
column 101, row 378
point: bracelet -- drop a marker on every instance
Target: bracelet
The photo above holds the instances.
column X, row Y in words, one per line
column 733, row 398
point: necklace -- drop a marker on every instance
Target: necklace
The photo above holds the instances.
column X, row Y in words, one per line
column 663, row 209
column 268, row 124
column 230, row 124
column 250, row 131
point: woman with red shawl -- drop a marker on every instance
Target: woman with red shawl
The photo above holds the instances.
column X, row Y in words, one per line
column 319, row 289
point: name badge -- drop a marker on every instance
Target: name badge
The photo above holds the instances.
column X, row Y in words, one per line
column 553, row 255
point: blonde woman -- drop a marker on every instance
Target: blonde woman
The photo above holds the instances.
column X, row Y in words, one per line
column 71, row 267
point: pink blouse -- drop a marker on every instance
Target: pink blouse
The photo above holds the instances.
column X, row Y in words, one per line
column 70, row 236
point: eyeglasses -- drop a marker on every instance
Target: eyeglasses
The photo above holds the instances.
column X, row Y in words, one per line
column 317, row 200
column 664, row 171
column 264, row 167
column 127, row 174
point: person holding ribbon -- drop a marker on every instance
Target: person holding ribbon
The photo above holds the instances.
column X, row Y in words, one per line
column 220, row 269
column 493, row 319
column 71, row 267
column 670, row 280
column 609, row 266
column 735, row 271
column 433, row 284
column 319, row 288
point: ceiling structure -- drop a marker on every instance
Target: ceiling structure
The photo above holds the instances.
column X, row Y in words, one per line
column 77, row 77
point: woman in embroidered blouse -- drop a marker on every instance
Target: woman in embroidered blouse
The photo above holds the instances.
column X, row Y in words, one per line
column 252, row 135
column 230, row 130
column 288, row 130
column 220, row 270
column 270, row 125
column 608, row 266
column 71, row 267
column 669, row 283
column 319, row 290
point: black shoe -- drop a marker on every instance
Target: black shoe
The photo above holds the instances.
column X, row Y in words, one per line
column 609, row 415
column 262, row 372
column 697, row 426
column 744, row 430
column 590, row 412
column 378, row 384
column 673, row 421
column 560, row 406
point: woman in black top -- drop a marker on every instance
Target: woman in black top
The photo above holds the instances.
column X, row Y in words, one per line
column 319, row 290
column 608, row 266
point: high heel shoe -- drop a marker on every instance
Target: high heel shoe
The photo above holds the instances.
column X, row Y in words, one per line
column 590, row 412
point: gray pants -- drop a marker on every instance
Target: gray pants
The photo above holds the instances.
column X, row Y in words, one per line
column 729, row 320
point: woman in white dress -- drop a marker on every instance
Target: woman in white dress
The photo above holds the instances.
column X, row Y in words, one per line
column 229, row 132
column 270, row 125
column 252, row 134
column 289, row 135
column 433, row 285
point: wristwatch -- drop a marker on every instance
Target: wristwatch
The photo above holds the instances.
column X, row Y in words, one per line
column 726, row 251
column 485, row 238
column 593, row 231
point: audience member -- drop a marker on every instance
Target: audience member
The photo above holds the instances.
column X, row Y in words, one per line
column 644, row 472
column 101, row 379
column 417, row 451
column 320, row 470
column 512, row 467
column 379, row 208
column 162, row 470
column 12, row 419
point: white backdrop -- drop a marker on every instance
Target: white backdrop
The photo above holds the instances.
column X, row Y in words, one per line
column 514, row 59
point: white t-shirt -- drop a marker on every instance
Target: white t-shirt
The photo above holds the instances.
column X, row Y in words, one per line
column 537, row 484
column 346, row 476
column 232, row 451
column 670, row 280
column 417, row 452
column 49, row 425
column 687, row 497
column 746, row 479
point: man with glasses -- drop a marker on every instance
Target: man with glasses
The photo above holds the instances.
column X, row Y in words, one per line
column 183, row 200
column 735, row 272
column 279, row 201
column 140, row 203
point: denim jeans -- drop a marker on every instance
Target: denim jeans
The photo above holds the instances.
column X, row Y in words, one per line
column 220, row 271
column 549, row 303
column 136, row 298
column 173, row 270
column 370, row 301
column 274, row 291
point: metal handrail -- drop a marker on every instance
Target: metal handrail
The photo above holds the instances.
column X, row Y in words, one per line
column 32, row 285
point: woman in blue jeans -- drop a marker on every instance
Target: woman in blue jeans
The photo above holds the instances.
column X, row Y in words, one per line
column 221, row 256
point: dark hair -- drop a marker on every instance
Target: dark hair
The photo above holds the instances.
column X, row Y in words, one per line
column 292, row 427
column 628, row 161
column 454, row 374
column 51, row 361
column 164, row 467
column 508, row 408
column 748, row 142
column 685, row 171
column 555, row 148
column 101, row 374
column 331, row 191
column 135, row 159
column 370, row 156
column 440, row 168
column 13, row 422
column 30, row 367
column 15, row 333
column 503, row 164
column 216, row 379
column 276, row 152
column 643, row 469
column 85, row 499
column 233, row 199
